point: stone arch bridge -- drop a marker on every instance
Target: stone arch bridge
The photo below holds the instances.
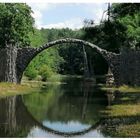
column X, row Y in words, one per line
column 25, row 55
column 21, row 57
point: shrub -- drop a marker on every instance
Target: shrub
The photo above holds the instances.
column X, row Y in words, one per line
column 45, row 73
column 31, row 73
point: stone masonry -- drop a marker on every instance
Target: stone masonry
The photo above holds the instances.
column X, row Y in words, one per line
column 130, row 67
column 125, row 67
column 25, row 55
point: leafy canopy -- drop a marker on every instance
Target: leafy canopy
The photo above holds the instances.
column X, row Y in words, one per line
column 16, row 23
column 128, row 14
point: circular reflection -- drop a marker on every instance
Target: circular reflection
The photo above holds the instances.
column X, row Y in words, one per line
column 68, row 108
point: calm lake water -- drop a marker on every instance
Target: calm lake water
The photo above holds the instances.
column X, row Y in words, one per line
column 71, row 109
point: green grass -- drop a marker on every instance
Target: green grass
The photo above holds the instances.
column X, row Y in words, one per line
column 122, row 118
column 27, row 86
column 125, row 110
column 122, row 123
column 123, row 88
column 131, row 130
column 10, row 89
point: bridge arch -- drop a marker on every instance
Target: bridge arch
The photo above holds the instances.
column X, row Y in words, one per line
column 25, row 55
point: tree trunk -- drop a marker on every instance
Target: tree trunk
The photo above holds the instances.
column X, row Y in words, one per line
column 8, row 58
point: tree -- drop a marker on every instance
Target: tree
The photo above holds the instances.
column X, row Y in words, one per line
column 36, row 38
column 119, row 10
column 16, row 23
column 128, row 15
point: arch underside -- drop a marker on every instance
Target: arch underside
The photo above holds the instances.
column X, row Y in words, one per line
column 25, row 55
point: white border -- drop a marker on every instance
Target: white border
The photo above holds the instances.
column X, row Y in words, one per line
column 71, row 1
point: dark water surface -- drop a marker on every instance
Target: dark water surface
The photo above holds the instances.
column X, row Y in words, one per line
column 72, row 109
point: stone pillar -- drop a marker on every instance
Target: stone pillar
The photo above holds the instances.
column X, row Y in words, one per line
column 8, row 58
column 109, row 78
column 115, row 69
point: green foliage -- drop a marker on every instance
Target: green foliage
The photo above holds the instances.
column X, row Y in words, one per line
column 129, row 16
column 36, row 38
column 132, row 24
column 45, row 72
column 31, row 73
column 108, row 35
column 120, row 10
column 65, row 58
column 16, row 23
column 123, row 28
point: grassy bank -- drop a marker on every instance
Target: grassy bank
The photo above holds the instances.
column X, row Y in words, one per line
column 123, row 88
column 29, row 86
column 9, row 89
column 122, row 121
column 122, row 118
column 56, row 78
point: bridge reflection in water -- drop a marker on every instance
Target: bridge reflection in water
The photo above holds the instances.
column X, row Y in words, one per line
column 68, row 110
